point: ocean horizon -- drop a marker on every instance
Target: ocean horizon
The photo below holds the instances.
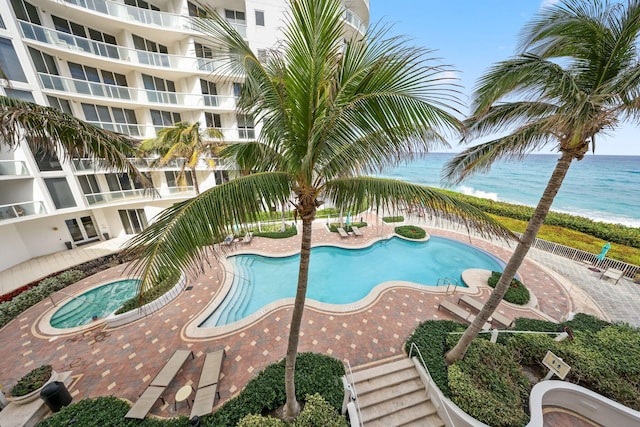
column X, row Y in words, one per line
column 603, row 188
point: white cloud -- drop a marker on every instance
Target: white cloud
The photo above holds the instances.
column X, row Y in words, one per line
column 547, row 3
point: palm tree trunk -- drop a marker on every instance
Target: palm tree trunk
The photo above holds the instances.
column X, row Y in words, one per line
column 292, row 408
column 195, row 181
column 554, row 184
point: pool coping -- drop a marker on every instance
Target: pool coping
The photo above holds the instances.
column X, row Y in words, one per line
column 192, row 331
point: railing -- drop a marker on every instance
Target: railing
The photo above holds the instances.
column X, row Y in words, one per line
column 350, row 403
column 112, row 196
column 14, row 168
column 70, row 296
column 435, row 397
column 134, row 130
column 354, row 20
column 23, row 209
column 448, row 282
column 70, row 42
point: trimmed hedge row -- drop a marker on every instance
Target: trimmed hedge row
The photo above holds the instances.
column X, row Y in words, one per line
column 411, row 232
column 333, row 227
column 167, row 281
column 616, row 233
column 389, row 219
column 316, row 413
column 9, row 310
column 289, row 231
column 517, row 292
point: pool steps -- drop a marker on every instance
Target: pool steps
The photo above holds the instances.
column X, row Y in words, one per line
column 239, row 295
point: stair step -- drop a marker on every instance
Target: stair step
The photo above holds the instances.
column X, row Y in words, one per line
column 398, row 404
column 429, row 421
column 382, row 370
column 389, row 392
column 385, row 381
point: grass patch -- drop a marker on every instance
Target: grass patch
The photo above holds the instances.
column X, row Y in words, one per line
column 411, row 232
column 517, row 292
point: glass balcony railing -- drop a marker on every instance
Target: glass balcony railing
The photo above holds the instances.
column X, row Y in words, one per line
column 23, row 209
column 100, row 165
column 13, row 168
column 69, row 42
column 134, row 130
column 355, row 21
column 124, row 195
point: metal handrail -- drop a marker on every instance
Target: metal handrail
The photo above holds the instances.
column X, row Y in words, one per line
column 424, row 365
column 70, row 296
column 351, row 386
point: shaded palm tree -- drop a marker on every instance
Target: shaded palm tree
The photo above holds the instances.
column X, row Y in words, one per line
column 579, row 77
column 330, row 110
column 184, row 141
column 48, row 129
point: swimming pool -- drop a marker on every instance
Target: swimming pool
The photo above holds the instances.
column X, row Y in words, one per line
column 343, row 276
column 98, row 302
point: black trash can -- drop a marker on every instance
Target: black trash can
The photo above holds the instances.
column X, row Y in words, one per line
column 55, row 395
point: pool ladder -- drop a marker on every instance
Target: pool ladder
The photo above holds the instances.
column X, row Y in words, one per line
column 448, row 282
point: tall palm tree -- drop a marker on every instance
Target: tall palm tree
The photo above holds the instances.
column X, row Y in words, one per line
column 330, row 109
column 579, row 76
column 48, row 129
column 184, row 140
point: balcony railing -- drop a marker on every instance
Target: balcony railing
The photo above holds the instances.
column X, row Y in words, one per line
column 134, row 130
column 62, row 40
column 23, row 209
column 355, row 21
column 125, row 195
column 140, row 96
column 13, row 168
column 100, row 165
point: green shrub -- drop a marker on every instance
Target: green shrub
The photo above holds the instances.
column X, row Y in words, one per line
column 333, row 227
column 316, row 413
column 315, row 373
column 526, row 324
column 517, row 292
column 289, row 231
column 167, row 280
column 431, row 339
column 32, row 381
column 70, row 276
column 411, row 232
column 105, row 412
column 586, row 323
column 389, row 219
column 255, row 420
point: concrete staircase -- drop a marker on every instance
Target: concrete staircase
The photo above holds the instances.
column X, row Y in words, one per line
column 393, row 395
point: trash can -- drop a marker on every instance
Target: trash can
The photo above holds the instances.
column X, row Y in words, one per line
column 55, row 395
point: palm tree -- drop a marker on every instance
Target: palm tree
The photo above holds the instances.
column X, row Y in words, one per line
column 329, row 109
column 47, row 129
column 184, row 140
column 579, row 77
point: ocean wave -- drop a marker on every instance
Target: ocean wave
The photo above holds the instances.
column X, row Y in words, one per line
column 602, row 217
column 470, row 191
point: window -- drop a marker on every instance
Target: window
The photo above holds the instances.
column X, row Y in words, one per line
column 61, row 104
column 23, row 95
column 141, row 4
column 173, row 179
column 164, row 119
column 133, row 220
column 43, row 62
column 213, row 120
column 9, row 62
column 47, row 161
column 245, row 127
column 262, row 55
column 235, row 16
column 195, row 10
column 116, row 119
column 210, row 92
column 237, row 89
column 221, row 177
column 260, row 18
column 25, row 11
column 156, row 83
column 91, row 74
column 2, row 23
column 148, row 45
column 89, row 184
column 60, row 192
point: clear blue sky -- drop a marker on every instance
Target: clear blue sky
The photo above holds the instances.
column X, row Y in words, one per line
column 471, row 35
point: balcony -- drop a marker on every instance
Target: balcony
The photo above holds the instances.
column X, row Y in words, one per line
column 138, row 96
column 132, row 195
column 354, row 20
column 70, row 43
column 13, row 168
column 133, row 130
column 20, row 210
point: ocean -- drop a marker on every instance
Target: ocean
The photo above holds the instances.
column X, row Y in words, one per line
column 603, row 188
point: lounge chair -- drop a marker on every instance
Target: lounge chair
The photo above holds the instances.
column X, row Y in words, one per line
column 612, row 273
column 460, row 312
column 356, row 231
column 342, row 233
column 208, row 384
column 477, row 305
column 247, row 237
column 157, row 387
column 228, row 240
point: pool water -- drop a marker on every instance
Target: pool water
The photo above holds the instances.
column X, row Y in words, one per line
column 343, row 276
column 99, row 302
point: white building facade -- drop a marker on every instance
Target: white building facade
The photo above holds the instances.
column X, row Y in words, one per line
column 132, row 66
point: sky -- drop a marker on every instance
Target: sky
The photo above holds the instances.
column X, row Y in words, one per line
column 470, row 36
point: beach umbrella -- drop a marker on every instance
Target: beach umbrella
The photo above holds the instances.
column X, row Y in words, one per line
column 604, row 251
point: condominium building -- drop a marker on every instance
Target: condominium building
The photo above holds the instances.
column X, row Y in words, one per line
column 131, row 66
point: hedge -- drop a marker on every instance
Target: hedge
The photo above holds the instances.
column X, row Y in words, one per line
column 333, row 227
column 615, row 233
column 289, row 231
column 316, row 413
column 389, row 219
column 517, row 292
column 167, row 280
column 411, row 232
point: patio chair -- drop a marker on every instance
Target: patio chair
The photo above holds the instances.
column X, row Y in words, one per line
column 247, row 237
column 460, row 312
column 612, row 273
column 228, row 240
column 342, row 233
column 157, row 387
column 208, row 384
column 356, row 231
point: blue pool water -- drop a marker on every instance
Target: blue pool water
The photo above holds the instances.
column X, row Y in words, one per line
column 343, row 276
column 99, row 302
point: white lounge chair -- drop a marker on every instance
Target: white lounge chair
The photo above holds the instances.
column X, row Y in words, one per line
column 228, row 240
column 460, row 312
column 208, row 384
column 356, row 231
column 612, row 273
column 342, row 233
column 247, row 237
